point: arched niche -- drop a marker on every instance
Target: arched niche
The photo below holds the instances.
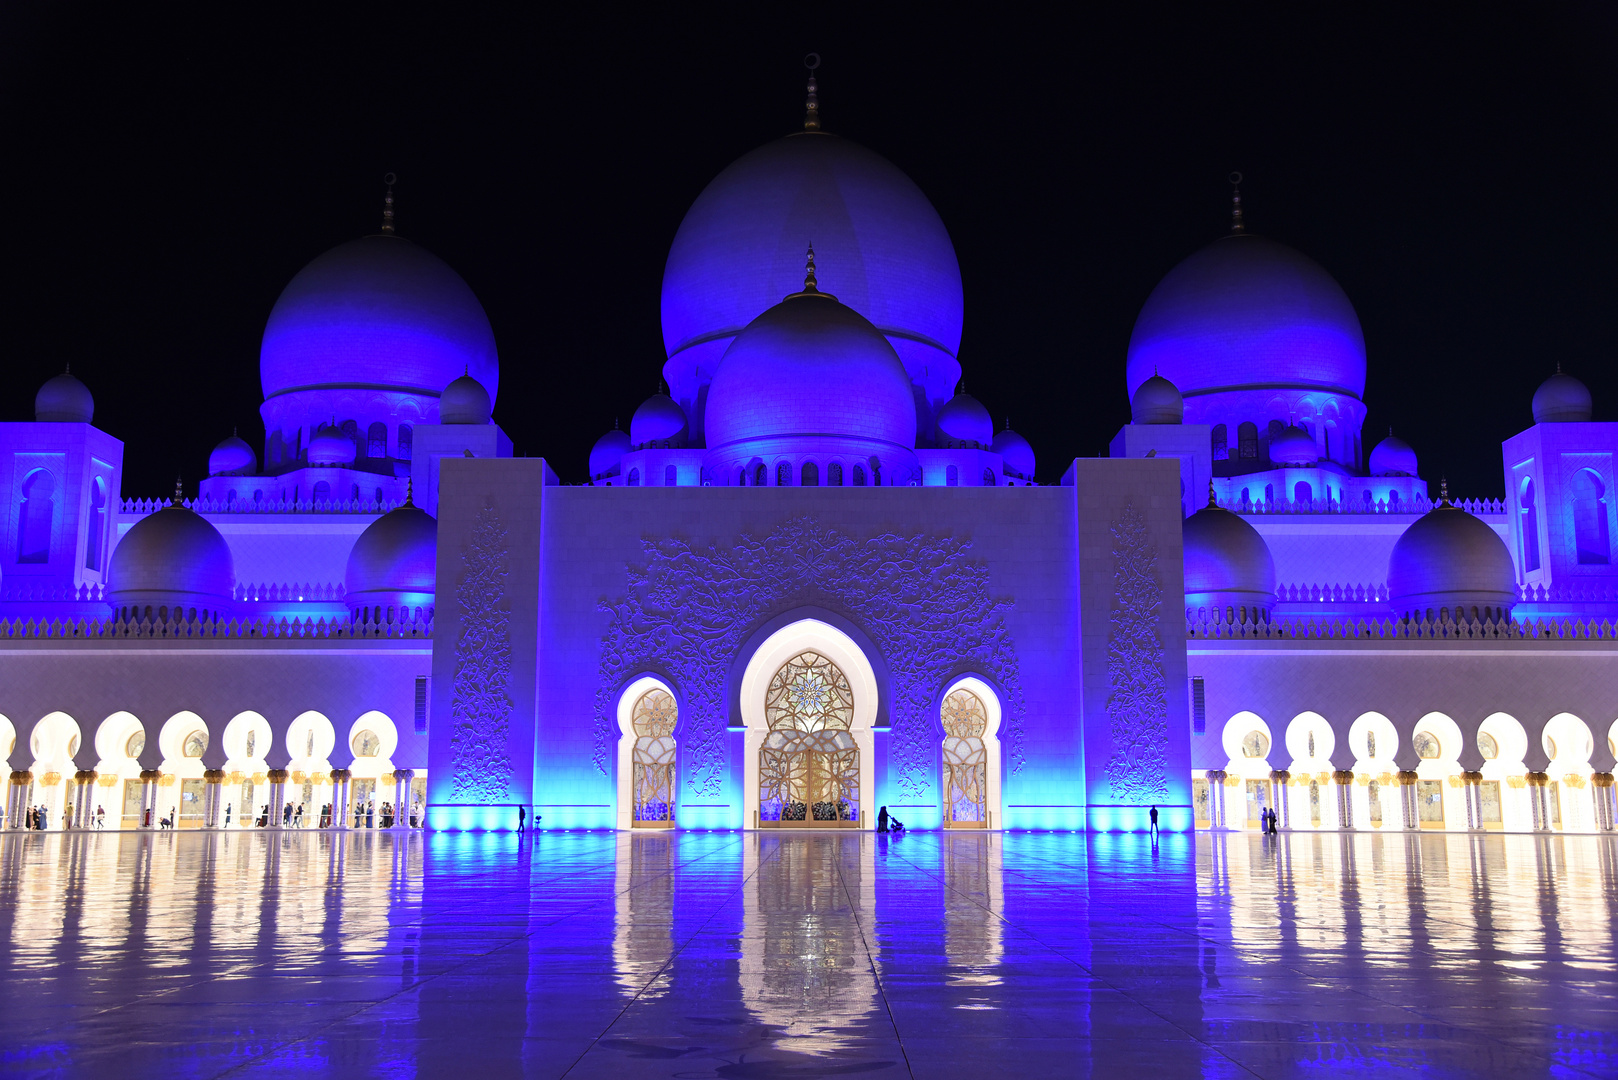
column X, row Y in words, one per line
column 988, row 700
column 373, row 739
column 628, row 742
column 1310, row 742
column 794, row 639
column 1375, row 743
column 1242, row 735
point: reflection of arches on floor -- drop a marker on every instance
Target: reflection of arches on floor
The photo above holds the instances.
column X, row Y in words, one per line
column 247, row 738
column 119, row 739
column 647, row 759
column 823, row 639
column 1569, row 743
column 1311, row 802
column 969, row 780
column 1503, row 796
column 1375, row 795
column 52, row 744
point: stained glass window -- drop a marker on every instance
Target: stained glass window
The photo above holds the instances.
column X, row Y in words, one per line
column 195, row 744
column 809, row 765
column 965, row 761
column 652, row 781
column 1426, row 745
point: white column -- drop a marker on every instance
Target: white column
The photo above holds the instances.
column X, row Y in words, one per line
column 148, row 798
column 401, row 795
column 213, row 803
column 339, row 798
column 1343, row 781
column 1281, row 783
column 278, row 796
column 1407, row 801
column 1601, row 785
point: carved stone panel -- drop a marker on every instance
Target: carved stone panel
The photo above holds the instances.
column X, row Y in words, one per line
column 481, row 702
column 1137, row 701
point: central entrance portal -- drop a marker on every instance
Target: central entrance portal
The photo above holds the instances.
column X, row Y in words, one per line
column 809, row 764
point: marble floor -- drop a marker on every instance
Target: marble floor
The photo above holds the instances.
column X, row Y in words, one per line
column 749, row 955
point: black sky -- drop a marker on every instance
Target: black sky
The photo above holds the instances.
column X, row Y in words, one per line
column 167, row 170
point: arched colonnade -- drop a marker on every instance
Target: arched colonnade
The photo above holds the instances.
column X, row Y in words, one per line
column 186, row 773
column 1429, row 774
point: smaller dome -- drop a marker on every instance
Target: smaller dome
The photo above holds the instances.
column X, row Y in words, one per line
column 464, row 401
column 1016, row 454
column 1449, row 560
column 1294, row 446
column 393, row 564
column 608, row 451
column 172, row 559
column 233, row 457
column 330, row 447
column 1227, row 564
column 1157, row 401
column 1393, row 457
column 964, row 422
column 64, row 400
column 659, row 422
column 1560, row 399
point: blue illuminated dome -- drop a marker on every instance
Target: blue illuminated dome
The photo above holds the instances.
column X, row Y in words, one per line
column 377, row 313
column 172, row 561
column 64, row 399
column 880, row 244
column 1228, row 567
column 1448, row 560
column 1562, row 399
column 393, row 566
column 1157, row 401
column 1016, row 454
column 608, row 451
column 232, row 457
column 464, row 401
column 964, row 422
column 1248, row 313
column 1294, row 446
column 806, row 371
column 1393, row 457
column 330, row 446
column 659, row 422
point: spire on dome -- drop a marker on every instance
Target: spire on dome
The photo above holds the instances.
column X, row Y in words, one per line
column 1236, row 203
column 809, row 272
column 179, row 493
column 811, row 109
column 409, row 491
column 387, row 204
column 1443, row 491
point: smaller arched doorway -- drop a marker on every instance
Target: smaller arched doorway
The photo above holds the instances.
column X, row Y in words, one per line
column 647, row 755
column 970, row 758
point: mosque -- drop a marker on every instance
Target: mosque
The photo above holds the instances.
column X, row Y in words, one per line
column 811, row 580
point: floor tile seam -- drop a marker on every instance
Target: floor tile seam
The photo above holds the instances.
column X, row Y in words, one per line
column 673, row 955
column 876, row 974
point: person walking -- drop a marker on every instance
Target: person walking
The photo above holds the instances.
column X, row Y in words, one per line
column 882, row 820
column 227, row 815
column 286, row 815
column 297, row 817
column 1154, row 823
column 100, row 818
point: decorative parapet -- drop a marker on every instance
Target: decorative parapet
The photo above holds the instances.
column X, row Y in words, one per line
column 207, row 505
column 1352, row 629
column 286, row 594
column 221, row 629
column 1579, row 592
column 24, row 590
column 1480, row 507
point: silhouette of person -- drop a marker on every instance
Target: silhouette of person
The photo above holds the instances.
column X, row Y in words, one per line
column 522, row 819
column 882, row 820
column 1154, row 821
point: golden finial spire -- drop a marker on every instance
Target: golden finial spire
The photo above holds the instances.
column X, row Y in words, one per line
column 179, row 493
column 811, row 109
column 1213, row 500
column 1236, row 203
column 1443, row 490
column 809, row 272
column 387, row 204
column 409, row 490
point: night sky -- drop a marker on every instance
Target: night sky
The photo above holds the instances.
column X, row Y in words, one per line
column 167, row 172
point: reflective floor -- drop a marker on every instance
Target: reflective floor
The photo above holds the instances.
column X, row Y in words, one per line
column 733, row 955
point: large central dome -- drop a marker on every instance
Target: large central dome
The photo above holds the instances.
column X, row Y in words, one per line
column 879, row 245
column 378, row 313
column 1246, row 313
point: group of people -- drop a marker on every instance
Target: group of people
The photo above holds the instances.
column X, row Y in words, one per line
column 1267, row 821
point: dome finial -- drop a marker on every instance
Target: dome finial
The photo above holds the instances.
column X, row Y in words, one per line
column 179, row 492
column 809, row 272
column 1443, row 491
column 387, row 204
column 409, row 490
column 811, row 109
column 1213, row 500
column 1236, row 203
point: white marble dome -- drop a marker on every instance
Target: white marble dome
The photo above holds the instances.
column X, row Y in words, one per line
column 608, row 451
column 1393, row 457
column 330, row 446
column 172, row 561
column 464, row 401
column 1228, row 566
column 658, row 422
column 1157, row 401
column 1016, row 454
column 1448, row 560
column 1562, row 399
column 64, row 399
column 232, row 457
column 1294, row 446
column 393, row 565
column 964, row 422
